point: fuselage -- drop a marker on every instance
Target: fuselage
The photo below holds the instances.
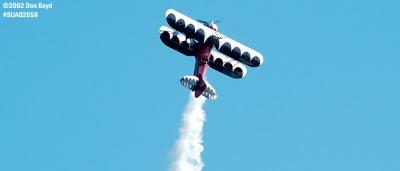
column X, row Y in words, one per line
column 202, row 56
column 201, row 65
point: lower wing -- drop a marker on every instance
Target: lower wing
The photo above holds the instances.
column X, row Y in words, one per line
column 226, row 65
column 178, row 41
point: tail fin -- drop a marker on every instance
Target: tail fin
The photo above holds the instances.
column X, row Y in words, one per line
column 191, row 83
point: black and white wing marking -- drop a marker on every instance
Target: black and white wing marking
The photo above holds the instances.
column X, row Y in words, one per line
column 239, row 51
column 224, row 44
column 191, row 28
column 178, row 41
column 226, row 65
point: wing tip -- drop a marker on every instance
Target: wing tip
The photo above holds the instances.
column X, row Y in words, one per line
column 261, row 59
column 165, row 28
column 169, row 11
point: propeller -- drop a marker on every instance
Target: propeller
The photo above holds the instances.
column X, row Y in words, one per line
column 202, row 21
column 208, row 23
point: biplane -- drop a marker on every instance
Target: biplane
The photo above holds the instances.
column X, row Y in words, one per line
column 199, row 38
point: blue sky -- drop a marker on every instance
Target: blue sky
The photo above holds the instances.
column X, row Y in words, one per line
column 89, row 86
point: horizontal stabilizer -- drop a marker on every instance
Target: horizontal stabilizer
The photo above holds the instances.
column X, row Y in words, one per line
column 210, row 92
column 190, row 83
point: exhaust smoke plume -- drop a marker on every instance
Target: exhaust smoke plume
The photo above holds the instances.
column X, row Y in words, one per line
column 188, row 147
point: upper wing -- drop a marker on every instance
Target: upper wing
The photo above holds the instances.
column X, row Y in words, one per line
column 187, row 25
column 226, row 65
column 178, row 41
column 224, row 44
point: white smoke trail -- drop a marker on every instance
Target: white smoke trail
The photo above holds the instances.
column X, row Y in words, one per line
column 188, row 147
